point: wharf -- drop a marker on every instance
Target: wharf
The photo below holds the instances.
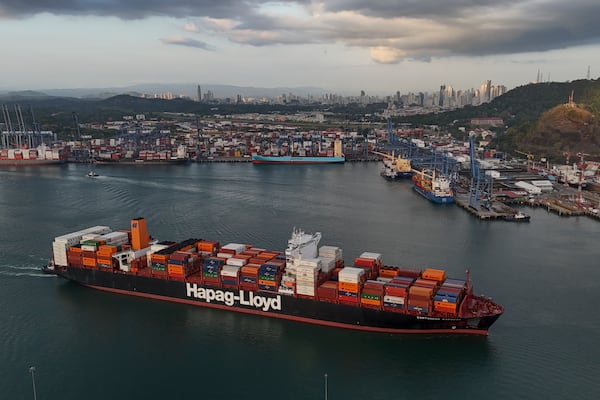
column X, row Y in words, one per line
column 494, row 211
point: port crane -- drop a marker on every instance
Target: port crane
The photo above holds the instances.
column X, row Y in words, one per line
column 481, row 184
column 529, row 156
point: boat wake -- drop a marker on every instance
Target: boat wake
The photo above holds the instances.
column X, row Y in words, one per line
column 13, row 270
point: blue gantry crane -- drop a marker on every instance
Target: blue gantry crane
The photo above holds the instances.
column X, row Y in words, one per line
column 481, row 183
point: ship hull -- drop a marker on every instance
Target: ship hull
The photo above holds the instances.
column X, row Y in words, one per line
column 142, row 162
column 433, row 198
column 23, row 162
column 256, row 159
column 396, row 176
column 275, row 305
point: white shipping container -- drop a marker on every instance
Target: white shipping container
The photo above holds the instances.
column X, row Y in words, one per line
column 371, row 256
column 393, row 299
column 238, row 262
column 156, row 247
column 115, row 237
column 310, row 262
column 230, row 270
column 330, row 252
column 87, row 247
column 350, row 274
column 305, row 291
column 224, row 255
column 91, row 236
column 238, row 248
column 327, row 264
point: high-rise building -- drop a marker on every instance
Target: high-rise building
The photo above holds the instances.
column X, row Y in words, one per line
column 442, row 95
column 199, row 93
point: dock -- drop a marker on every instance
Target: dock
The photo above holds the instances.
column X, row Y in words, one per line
column 494, row 211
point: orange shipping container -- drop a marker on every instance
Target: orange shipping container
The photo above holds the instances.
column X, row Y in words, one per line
column 89, row 262
column 370, row 302
column 175, row 269
column 443, row 306
column 265, row 282
column 107, row 249
column 348, row 287
column 75, row 249
column 160, row 258
column 251, row 269
column 434, row 274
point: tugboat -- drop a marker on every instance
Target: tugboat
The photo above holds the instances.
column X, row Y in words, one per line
column 517, row 217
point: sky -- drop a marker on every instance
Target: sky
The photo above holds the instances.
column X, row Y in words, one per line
column 380, row 46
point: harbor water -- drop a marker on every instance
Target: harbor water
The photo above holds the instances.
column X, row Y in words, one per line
column 87, row 344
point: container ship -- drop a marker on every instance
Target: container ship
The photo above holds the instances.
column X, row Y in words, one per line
column 394, row 167
column 258, row 159
column 435, row 188
column 334, row 156
column 41, row 155
column 143, row 157
column 306, row 282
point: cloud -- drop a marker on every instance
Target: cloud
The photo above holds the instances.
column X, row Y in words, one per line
column 386, row 55
column 391, row 30
column 189, row 42
column 191, row 27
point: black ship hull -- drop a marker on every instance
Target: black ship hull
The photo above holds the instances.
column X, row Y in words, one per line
column 271, row 304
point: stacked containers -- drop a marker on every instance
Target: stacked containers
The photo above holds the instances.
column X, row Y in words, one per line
column 75, row 256
column 419, row 298
column 158, row 263
column 331, row 257
column 307, row 275
column 372, row 294
column 231, row 249
column 207, row 248
column 64, row 242
column 350, row 280
column 104, row 255
column 370, row 262
column 249, row 277
column 230, row 276
column 449, row 296
column 396, row 292
column 182, row 264
column 268, row 277
column 211, row 270
column 328, row 291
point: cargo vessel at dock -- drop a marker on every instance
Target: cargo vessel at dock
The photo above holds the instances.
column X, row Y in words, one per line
column 334, row 156
column 258, row 159
column 434, row 187
column 306, row 282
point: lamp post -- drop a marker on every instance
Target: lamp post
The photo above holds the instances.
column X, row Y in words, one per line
column 32, row 370
column 325, row 386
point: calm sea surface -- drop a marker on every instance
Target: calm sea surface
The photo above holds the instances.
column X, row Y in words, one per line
column 87, row 344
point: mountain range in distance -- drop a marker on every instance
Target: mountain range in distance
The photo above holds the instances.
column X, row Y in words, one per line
column 177, row 89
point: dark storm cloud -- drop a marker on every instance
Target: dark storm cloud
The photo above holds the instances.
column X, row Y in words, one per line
column 416, row 29
column 132, row 9
column 437, row 9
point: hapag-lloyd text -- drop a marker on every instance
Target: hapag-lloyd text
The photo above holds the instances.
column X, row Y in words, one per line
column 230, row 298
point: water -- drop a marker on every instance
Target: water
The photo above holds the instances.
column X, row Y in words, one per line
column 95, row 345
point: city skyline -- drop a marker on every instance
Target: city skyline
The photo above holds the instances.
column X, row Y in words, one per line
column 338, row 45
